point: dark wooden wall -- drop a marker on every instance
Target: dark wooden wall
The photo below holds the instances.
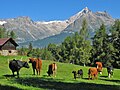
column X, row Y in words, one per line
column 8, row 46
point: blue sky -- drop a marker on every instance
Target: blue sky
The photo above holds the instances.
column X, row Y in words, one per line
column 46, row 10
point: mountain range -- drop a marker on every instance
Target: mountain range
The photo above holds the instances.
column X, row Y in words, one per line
column 41, row 33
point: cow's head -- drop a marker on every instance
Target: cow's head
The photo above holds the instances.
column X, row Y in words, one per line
column 26, row 65
column 31, row 60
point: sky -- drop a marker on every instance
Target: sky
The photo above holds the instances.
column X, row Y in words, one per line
column 47, row 10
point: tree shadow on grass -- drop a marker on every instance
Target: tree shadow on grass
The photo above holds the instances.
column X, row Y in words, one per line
column 5, row 87
column 111, row 80
column 105, row 78
column 7, row 76
column 58, row 85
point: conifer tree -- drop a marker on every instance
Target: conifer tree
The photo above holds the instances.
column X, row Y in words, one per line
column 2, row 32
column 12, row 34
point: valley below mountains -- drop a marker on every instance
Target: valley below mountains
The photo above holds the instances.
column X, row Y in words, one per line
column 41, row 33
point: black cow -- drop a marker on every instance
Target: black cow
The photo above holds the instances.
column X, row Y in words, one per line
column 16, row 65
column 80, row 73
column 75, row 74
column 110, row 71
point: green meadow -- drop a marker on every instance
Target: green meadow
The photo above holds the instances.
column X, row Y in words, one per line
column 63, row 81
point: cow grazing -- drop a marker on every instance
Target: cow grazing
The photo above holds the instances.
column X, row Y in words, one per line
column 52, row 69
column 92, row 73
column 99, row 67
column 75, row 74
column 16, row 65
column 110, row 71
column 80, row 73
column 36, row 65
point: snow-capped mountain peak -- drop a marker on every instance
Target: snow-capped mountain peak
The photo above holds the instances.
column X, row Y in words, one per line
column 85, row 10
column 79, row 14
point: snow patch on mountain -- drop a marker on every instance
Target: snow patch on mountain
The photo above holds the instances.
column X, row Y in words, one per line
column 2, row 22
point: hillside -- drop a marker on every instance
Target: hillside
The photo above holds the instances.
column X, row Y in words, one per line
column 63, row 81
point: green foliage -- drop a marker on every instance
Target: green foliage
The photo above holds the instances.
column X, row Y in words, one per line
column 41, row 53
column 99, row 45
column 2, row 33
column 46, row 55
column 12, row 34
column 115, row 40
column 7, row 34
column 106, row 46
column 22, row 51
column 74, row 49
column 30, row 46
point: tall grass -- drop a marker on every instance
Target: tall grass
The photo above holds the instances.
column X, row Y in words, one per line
column 63, row 81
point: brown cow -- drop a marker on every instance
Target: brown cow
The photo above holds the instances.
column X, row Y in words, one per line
column 36, row 65
column 52, row 69
column 92, row 73
column 99, row 67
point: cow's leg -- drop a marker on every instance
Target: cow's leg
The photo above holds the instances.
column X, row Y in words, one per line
column 92, row 77
column 18, row 74
column 33, row 71
column 74, row 75
column 95, row 76
column 53, row 73
column 82, row 76
column 13, row 73
column 78, row 75
column 109, row 75
column 89, row 76
column 37, row 71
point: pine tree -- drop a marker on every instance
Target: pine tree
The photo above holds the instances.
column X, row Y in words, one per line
column 12, row 34
column 2, row 32
column 30, row 46
column 85, row 47
column 115, row 39
column 102, row 47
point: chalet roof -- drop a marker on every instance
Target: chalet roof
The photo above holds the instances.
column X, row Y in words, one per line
column 4, row 40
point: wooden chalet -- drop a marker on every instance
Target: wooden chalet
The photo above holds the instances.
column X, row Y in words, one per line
column 8, row 47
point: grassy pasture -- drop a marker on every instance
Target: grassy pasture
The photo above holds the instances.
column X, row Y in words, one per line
column 63, row 81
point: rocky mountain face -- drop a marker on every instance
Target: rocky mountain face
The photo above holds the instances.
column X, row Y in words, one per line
column 94, row 20
column 52, row 31
column 28, row 30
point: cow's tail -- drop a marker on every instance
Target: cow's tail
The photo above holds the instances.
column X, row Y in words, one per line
column 38, row 63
